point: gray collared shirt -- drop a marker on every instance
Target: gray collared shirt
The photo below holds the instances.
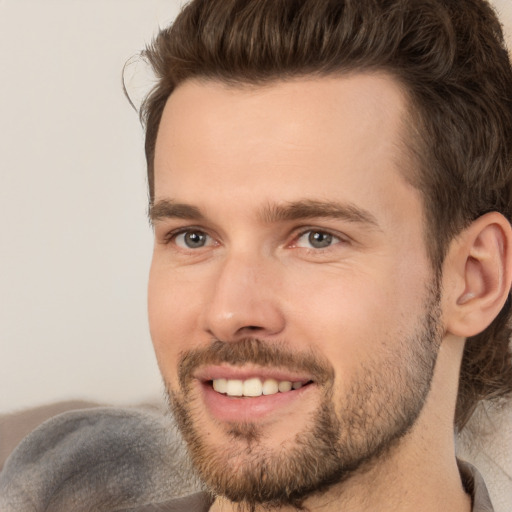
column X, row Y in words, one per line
column 471, row 479
column 475, row 487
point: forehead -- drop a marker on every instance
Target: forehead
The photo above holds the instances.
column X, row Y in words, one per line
column 324, row 138
column 357, row 100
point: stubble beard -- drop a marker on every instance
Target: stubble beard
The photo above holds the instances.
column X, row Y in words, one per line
column 380, row 408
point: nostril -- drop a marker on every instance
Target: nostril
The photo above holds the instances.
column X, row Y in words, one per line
column 250, row 330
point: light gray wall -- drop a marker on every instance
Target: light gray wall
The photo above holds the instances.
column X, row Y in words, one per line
column 75, row 244
column 74, row 241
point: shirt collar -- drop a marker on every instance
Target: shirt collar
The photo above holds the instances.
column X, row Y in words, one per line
column 475, row 486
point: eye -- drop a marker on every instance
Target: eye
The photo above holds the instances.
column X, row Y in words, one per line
column 192, row 239
column 316, row 239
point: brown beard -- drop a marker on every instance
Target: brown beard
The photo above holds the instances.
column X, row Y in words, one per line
column 381, row 406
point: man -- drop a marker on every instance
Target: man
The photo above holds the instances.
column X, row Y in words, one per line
column 330, row 186
column 329, row 293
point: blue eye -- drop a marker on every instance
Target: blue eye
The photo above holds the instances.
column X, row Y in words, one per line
column 316, row 239
column 192, row 239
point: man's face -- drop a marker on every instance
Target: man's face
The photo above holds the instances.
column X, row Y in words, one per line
column 289, row 253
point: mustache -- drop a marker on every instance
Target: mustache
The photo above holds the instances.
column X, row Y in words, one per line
column 257, row 352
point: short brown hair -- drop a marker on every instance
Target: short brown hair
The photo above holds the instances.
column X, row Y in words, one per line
column 451, row 58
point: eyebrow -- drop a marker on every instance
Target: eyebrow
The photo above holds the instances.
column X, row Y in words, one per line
column 309, row 209
column 273, row 213
column 169, row 209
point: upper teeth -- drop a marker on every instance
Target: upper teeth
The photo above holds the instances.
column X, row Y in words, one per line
column 253, row 387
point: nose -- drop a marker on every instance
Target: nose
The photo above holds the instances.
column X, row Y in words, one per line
column 245, row 299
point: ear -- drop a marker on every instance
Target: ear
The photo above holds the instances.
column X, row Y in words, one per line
column 477, row 275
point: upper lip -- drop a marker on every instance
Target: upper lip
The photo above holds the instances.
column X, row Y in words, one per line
column 209, row 373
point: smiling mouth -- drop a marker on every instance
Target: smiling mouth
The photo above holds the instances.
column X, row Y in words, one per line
column 255, row 387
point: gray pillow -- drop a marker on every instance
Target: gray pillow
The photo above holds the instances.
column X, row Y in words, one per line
column 101, row 459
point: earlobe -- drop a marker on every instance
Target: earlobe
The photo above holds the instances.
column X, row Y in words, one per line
column 479, row 264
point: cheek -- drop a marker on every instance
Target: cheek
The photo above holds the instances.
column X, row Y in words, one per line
column 356, row 316
column 172, row 315
column 173, row 296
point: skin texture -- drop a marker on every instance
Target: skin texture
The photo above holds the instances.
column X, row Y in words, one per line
column 244, row 178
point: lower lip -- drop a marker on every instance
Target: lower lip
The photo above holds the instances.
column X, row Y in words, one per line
column 249, row 409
